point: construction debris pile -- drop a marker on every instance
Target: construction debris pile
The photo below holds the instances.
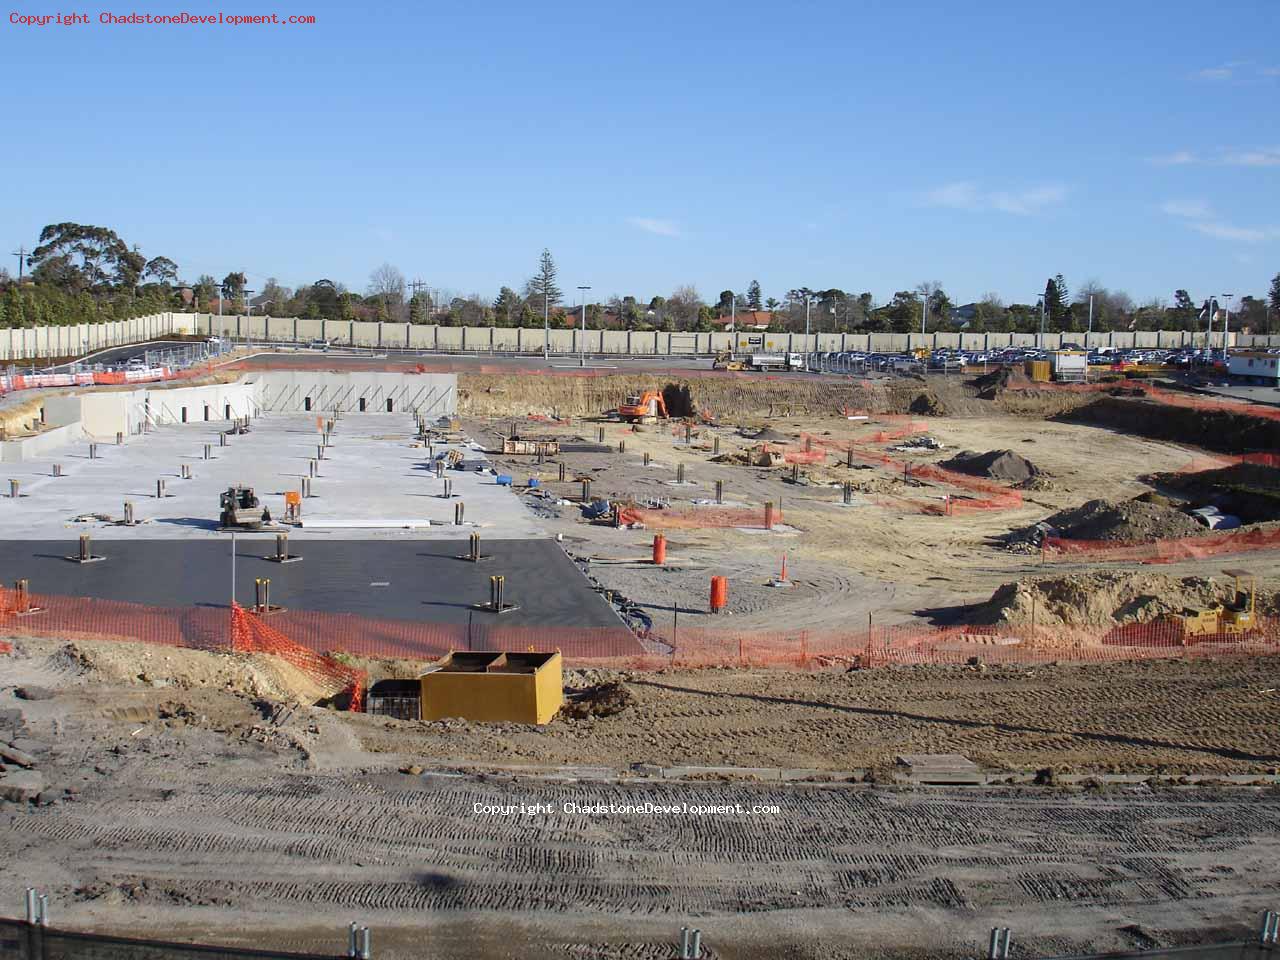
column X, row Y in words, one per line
column 1119, row 520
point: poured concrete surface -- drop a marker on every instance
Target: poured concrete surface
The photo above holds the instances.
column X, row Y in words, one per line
column 417, row 581
column 372, row 483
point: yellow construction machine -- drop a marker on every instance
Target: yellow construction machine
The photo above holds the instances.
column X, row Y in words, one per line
column 1237, row 616
column 725, row 361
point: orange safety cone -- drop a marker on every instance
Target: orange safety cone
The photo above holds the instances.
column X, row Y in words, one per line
column 782, row 580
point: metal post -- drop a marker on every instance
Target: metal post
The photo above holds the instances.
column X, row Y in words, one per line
column 222, row 439
column 561, row 472
column 353, row 931
column 646, row 458
column 93, row 451
column 586, row 490
column 13, row 489
column 768, row 515
column 719, row 491
column 458, row 511
column 119, row 439
column 684, row 943
column 795, row 473
column 680, row 473
column 715, row 447
column 475, row 547
column 366, row 949
column 311, row 467
column 159, row 489
column 600, row 435
column 848, row 458
column 320, row 452
column 86, row 550
column 688, row 433
column 57, row 469
column 208, row 451
column 186, row 471
column 848, row 492
column 448, row 488
column 439, row 468
column 282, row 546
column 128, row 513
column 31, row 904
column 993, row 944
column 622, row 446
column 44, row 910
column 695, row 946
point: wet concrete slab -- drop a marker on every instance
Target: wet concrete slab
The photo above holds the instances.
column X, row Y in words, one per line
column 421, row 581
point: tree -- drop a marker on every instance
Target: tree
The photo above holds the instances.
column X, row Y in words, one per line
column 772, row 304
column 753, row 295
column 1273, row 297
column 724, row 306
column 387, row 284
column 507, row 307
column 161, row 269
column 233, row 285
column 682, row 306
column 542, row 289
column 1056, row 302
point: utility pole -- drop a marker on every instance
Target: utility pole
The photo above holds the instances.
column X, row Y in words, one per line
column 546, row 323
column 1090, row 330
column 21, row 254
column 582, row 347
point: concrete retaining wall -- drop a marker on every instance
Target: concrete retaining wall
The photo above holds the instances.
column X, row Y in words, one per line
column 40, row 445
column 38, row 342
column 432, row 394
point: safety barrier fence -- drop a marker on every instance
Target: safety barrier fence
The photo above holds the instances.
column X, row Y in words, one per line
column 1165, row 550
column 329, row 648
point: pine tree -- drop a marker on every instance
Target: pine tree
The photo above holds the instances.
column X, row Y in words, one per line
column 542, row 288
column 1273, row 298
column 753, row 295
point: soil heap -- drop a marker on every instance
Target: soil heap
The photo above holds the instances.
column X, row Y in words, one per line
column 1106, row 599
column 1002, row 465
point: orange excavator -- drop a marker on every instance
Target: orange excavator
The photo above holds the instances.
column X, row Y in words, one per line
column 644, row 408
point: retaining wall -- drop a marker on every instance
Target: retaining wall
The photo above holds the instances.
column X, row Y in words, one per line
column 37, row 342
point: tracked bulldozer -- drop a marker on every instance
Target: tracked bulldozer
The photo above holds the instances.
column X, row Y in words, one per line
column 242, row 510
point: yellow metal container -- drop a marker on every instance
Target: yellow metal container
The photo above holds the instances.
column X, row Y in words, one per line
column 494, row 687
column 1038, row 370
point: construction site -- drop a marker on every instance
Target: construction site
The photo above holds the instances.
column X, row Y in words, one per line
column 537, row 661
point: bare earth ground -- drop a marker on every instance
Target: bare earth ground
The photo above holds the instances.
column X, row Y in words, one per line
column 202, row 807
column 876, row 559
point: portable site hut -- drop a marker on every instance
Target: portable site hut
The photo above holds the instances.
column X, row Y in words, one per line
column 494, row 687
column 1069, row 366
column 1255, row 366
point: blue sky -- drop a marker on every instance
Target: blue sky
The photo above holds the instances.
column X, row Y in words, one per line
column 869, row 146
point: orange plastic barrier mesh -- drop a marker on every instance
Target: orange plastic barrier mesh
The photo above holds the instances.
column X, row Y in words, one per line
column 696, row 517
column 312, row 640
column 251, row 634
column 1163, row 550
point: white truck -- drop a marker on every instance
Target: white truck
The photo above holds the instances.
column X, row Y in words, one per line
column 776, row 361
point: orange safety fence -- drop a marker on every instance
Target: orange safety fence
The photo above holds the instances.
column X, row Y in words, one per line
column 699, row 516
column 318, row 643
column 1165, row 550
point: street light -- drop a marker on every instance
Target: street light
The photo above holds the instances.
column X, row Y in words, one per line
column 582, row 347
column 1226, row 324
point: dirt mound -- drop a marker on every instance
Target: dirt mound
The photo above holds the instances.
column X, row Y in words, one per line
column 118, row 661
column 1123, row 520
column 927, row 403
column 991, row 385
column 994, row 464
column 1105, row 599
column 601, row 700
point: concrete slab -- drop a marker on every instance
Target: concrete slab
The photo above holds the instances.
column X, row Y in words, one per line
column 424, row 581
column 372, row 483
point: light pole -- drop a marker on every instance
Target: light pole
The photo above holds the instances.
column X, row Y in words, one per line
column 1226, row 324
column 807, row 300
column 546, row 323
column 582, row 347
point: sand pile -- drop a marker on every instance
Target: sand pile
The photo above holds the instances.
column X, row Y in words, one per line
column 1004, row 465
column 1106, row 599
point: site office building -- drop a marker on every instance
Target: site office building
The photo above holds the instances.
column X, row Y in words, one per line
column 1255, row 366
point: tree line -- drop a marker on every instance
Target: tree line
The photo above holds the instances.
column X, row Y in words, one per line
column 86, row 274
